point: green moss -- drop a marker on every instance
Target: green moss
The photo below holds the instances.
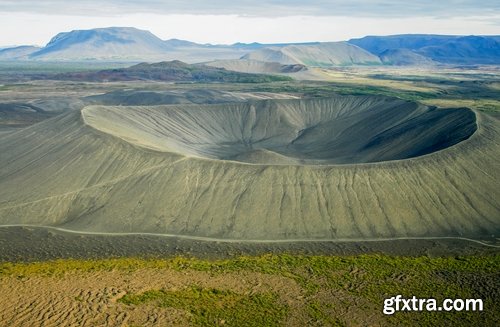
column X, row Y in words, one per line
column 367, row 279
column 212, row 307
column 320, row 317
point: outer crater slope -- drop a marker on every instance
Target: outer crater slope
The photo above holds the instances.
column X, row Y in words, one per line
column 174, row 170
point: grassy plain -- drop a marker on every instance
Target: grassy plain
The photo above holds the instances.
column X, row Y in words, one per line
column 268, row 290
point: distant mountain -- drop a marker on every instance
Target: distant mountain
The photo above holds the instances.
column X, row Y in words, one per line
column 379, row 44
column 20, row 52
column 441, row 48
column 172, row 71
column 254, row 66
column 102, row 43
column 256, row 45
column 252, row 46
column 465, row 50
column 322, row 55
column 176, row 43
column 129, row 44
column 404, row 57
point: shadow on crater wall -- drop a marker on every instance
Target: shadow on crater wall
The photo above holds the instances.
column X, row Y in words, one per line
column 339, row 130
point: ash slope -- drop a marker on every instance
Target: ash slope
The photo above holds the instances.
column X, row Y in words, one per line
column 63, row 172
column 339, row 130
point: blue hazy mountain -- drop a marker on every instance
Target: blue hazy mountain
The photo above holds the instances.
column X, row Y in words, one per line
column 379, row 44
column 449, row 49
column 128, row 44
column 103, row 43
column 18, row 52
column 404, row 57
column 465, row 50
column 132, row 44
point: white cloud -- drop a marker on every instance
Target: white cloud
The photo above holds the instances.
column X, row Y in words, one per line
column 30, row 28
column 258, row 8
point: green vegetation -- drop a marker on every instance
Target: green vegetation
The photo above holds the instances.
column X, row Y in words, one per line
column 477, row 91
column 211, row 307
column 329, row 283
column 323, row 89
column 47, row 67
column 171, row 71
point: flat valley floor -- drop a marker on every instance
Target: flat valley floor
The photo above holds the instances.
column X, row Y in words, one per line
column 56, row 278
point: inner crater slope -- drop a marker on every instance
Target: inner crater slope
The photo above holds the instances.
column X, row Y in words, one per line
column 339, row 130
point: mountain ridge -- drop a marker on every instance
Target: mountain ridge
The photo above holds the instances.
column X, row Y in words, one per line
column 172, row 71
column 445, row 49
column 323, row 55
column 129, row 44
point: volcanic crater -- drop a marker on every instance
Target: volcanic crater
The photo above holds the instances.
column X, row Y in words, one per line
column 337, row 130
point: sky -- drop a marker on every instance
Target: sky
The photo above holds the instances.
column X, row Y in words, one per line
column 35, row 22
